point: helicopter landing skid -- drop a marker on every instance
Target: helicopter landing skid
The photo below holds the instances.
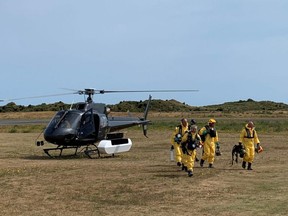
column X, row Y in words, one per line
column 92, row 151
column 60, row 148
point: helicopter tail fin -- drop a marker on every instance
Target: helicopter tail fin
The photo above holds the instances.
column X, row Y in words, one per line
column 147, row 108
column 144, row 126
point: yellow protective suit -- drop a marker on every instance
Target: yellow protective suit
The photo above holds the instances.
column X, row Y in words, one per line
column 180, row 129
column 249, row 137
column 208, row 146
column 195, row 139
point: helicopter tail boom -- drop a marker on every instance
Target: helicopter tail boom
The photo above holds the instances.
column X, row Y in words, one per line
column 118, row 123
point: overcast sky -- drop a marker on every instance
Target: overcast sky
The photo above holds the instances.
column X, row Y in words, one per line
column 229, row 50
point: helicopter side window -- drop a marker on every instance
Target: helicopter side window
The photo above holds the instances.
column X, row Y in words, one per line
column 65, row 123
column 87, row 128
column 70, row 120
column 56, row 119
column 86, row 119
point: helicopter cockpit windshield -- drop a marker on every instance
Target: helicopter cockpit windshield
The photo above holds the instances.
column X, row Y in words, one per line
column 66, row 119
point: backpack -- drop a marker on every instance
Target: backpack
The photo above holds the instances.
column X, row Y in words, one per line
column 203, row 137
column 211, row 132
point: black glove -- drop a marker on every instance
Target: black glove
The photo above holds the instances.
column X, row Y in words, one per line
column 257, row 147
column 218, row 152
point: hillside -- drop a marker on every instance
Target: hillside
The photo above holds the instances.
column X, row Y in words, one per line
column 176, row 106
column 156, row 105
column 161, row 106
column 248, row 105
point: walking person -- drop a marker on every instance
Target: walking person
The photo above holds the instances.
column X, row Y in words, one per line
column 209, row 137
column 191, row 141
column 248, row 138
column 176, row 140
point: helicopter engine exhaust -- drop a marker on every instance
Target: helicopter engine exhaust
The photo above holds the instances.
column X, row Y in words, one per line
column 114, row 146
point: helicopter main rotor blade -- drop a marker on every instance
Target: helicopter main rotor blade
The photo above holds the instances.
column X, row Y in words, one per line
column 92, row 91
column 132, row 91
column 40, row 96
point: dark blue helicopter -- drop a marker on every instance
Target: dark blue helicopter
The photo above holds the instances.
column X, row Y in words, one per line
column 87, row 123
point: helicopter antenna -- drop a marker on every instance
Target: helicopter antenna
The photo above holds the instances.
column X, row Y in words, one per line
column 71, row 105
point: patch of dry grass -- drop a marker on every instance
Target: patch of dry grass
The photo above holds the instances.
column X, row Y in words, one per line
column 140, row 182
column 27, row 115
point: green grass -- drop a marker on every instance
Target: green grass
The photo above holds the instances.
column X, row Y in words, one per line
column 228, row 125
column 263, row 125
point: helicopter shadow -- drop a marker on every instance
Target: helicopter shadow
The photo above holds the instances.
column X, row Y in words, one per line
column 66, row 157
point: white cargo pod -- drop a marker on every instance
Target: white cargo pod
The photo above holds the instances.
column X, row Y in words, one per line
column 114, row 146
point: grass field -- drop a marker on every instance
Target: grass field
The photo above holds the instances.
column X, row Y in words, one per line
column 141, row 182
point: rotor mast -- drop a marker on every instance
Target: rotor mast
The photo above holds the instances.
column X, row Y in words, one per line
column 89, row 92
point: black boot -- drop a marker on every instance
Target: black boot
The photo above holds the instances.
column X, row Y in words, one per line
column 179, row 164
column 201, row 162
column 249, row 166
column 211, row 165
column 190, row 173
column 184, row 168
column 244, row 165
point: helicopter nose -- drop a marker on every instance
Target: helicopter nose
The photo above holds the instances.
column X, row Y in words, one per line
column 68, row 138
column 59, row 136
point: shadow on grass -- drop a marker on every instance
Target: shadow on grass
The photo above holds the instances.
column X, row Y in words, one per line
column 79, row 156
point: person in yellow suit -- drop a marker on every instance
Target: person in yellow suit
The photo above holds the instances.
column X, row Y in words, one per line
column 191, row 141
column 176, row 140
column 209, row 137
column 249, row 137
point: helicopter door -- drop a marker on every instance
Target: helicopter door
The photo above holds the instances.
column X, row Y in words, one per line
column 87, row 127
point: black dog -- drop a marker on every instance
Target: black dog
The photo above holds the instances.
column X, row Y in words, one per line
column 237, row 151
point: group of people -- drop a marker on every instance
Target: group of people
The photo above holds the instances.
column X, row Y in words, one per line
column 187, row 138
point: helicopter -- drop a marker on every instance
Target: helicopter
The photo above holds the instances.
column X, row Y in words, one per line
column 87, row 127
